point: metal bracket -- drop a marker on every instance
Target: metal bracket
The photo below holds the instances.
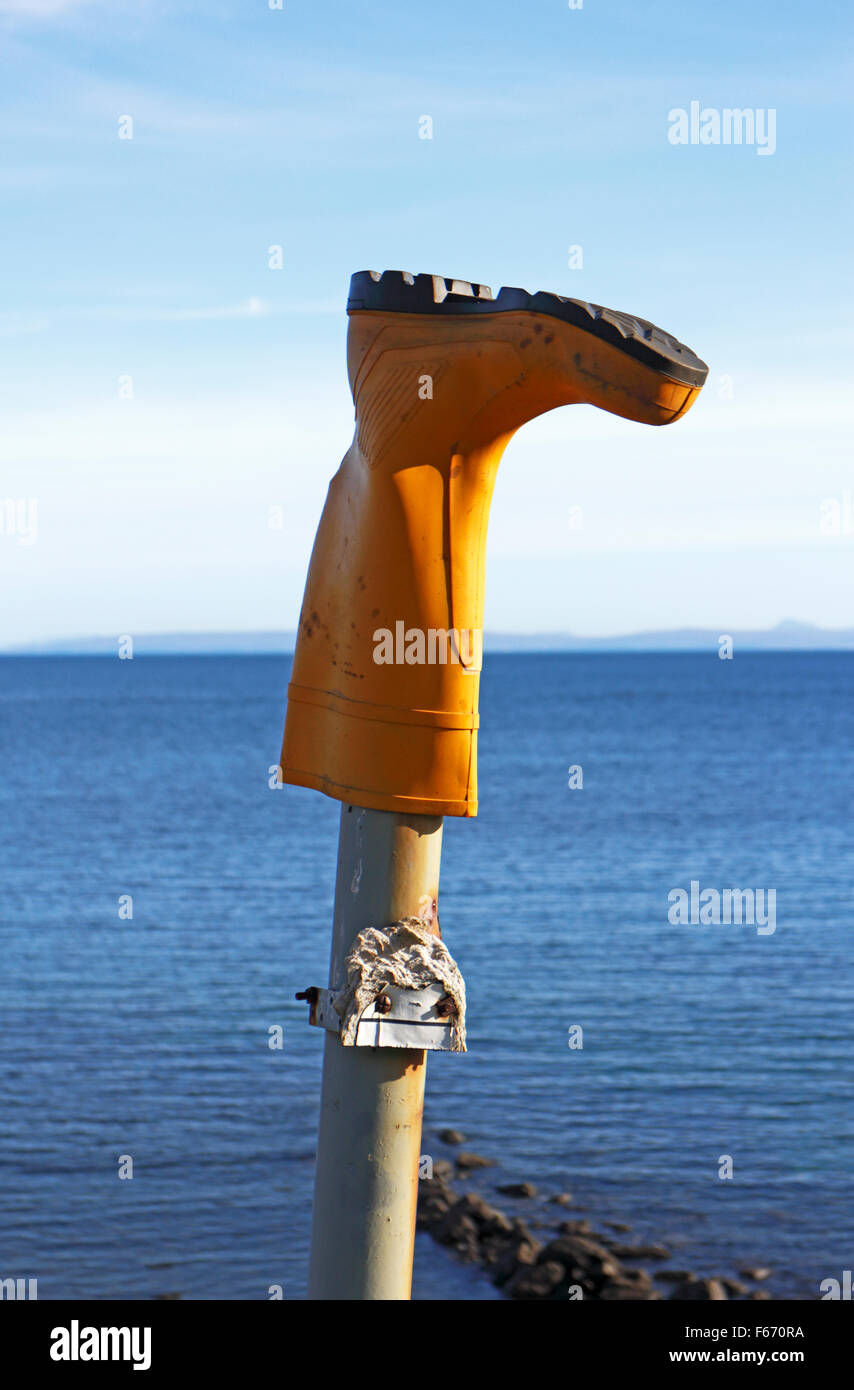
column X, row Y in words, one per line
column 413, row 1018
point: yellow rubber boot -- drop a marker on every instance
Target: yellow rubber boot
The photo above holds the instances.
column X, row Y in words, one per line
column 383, row 700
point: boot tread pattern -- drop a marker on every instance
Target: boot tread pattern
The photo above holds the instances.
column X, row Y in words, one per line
column 397, row 291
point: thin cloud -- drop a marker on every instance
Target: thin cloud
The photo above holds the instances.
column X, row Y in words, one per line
column 252, row 308
column 12, row 322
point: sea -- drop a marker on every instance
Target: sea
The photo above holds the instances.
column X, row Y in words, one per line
column 161, row 903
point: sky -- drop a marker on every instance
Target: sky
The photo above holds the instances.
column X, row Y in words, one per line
column 172, row 408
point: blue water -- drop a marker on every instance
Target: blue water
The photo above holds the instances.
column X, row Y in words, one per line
column 149, row 1037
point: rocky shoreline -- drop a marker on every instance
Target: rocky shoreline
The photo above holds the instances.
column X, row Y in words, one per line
column 576, row 1262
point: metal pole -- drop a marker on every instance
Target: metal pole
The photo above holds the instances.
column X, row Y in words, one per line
column 372, row 1100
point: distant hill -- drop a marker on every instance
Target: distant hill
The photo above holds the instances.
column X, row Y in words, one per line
column 786, row 636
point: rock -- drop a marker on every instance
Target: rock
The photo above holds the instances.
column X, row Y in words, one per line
column 676, row 1276
column 620, row 1292
column 451, row 1136
column 521, row 1229
column 476, row 1230
column 517, row 1189
column 577, row 1249
column 734, row 1287
column 561, row 1199
column 443, row 1168
column 619, row 1226
column 536, row 1281
column 515, row 1254
column 638, row 1277
column 166, row 1297
column 586, row 1262
column 466, row 1162
column 754, row 1272
column 640, row 1252
column 580, row 1227
column 629, row 1284
column 758, row 1294
column 459, row 1230
column 435, row 1199
column 706, row 1289
column 489, row 1220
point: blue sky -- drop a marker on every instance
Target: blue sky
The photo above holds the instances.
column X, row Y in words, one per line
column 148, row 258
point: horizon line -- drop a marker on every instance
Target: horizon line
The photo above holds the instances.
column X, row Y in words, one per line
column 788, row 634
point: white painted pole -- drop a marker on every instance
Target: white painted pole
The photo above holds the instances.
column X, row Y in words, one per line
column 372, row 1100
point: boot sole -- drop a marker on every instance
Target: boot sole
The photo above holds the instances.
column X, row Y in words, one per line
column 398, row 292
